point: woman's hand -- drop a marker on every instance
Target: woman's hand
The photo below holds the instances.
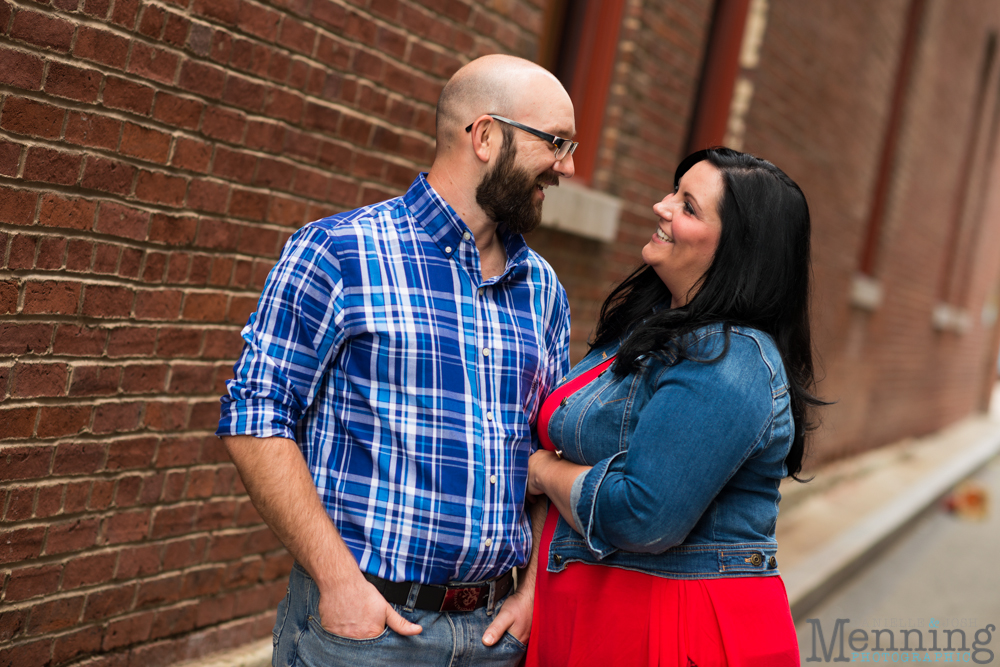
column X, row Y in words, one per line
column 539, row 464
column 552, row 476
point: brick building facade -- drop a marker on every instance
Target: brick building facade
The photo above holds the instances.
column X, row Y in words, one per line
column 156, row 154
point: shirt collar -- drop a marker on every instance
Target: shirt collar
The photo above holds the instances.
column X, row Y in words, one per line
column 445, row 227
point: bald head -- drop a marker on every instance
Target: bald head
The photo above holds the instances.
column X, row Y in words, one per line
column 497, row 84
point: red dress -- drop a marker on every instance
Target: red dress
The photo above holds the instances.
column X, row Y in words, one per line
column 591, row 614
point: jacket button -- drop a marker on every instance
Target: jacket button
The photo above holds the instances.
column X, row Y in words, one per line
column 557, row 558
column 772, row 562
column 562, row 403
column 756, row 560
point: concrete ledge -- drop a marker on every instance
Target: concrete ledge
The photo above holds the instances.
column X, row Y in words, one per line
column 578, row 210
column 810, row 580
column 257, row 654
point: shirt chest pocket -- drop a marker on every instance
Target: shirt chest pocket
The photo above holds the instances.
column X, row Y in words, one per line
column 602, row 420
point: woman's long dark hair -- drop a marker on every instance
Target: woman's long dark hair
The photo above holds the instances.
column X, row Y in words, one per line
column 758, row 278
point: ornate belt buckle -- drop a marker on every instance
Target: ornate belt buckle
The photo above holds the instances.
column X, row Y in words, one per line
column 461, row 599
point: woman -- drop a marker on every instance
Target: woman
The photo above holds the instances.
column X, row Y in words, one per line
column 665, row 446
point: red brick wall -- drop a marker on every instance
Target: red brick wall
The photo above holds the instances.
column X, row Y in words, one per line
column 154, row 157
column 822, row 100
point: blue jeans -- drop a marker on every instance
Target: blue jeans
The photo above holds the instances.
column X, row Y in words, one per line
column 449, row 639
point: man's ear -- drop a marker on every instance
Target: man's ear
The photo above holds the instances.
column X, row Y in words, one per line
column 485, row 139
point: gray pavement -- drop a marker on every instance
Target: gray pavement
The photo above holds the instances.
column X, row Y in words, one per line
column 940, row 575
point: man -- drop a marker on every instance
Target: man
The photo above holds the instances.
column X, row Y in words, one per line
column 383, row 408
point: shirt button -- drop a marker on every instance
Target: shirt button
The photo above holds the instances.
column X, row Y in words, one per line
column 488, row 542
column 489, row 416
column 486, row 351
column 493, row 479
column 557, row 558
column 562, row 403
column 447, row 249
column 482, row 291
column 466, row 236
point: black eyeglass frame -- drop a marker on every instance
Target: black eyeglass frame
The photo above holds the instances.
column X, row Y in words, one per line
column 557, row 142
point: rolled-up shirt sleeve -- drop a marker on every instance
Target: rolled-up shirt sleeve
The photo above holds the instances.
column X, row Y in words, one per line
column 289, row 341
column 703, row 421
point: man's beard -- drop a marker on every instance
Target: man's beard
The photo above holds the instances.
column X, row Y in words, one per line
column 506, row 192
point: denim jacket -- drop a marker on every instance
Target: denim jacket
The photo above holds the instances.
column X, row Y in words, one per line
column 687, row 457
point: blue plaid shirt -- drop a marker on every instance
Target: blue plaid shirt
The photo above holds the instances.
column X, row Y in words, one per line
column 411, row 385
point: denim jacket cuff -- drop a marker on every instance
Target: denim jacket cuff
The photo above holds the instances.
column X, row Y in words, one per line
column 584, row 502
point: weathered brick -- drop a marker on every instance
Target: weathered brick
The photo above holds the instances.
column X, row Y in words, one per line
column 93, row 130
column 129, row 630
column 127, row 95
column 129, row 526
column 17, row 206
column 51, row 296
column 107, row 301
column 53, row 615
column 131, row 341
column 75, row 535
column 172, row 230
column 106, row 256
column 73, row 644
column 191, row 154
column 178, row 111
column 145, row 143
column 51, row 252
column 70, row 213
column 109, row 601
column 93, row 380
column 23, row 248
column 43, row 30
column 122, row 221
column 20, row 70
column 8, row 304
column 28, row 582
column 202, row 79
column 108, row 175
column 131, row 453
column 217, row 234
column 10, row 157
column 78, row 458
column 116, row 417
column 175, row 620
column 251, row 205
column 151, row 22
column 158, row 304
column 160, row 188
column 36, row 119
column 144, row 378
column 57, row 421
column 208, row 195
column 153, row 63
column 166, row 416
column 52, row 166
column 174, row 521
column 224, row 11
column 223, row 124
column 71, row 82
column 158, row 591
column 101, row 46
column 17, row 339
column 21, row 544
column 33, row 380
column 138, row 562
column 125, row 12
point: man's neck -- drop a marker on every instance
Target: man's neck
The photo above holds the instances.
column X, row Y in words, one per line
column 461, row 196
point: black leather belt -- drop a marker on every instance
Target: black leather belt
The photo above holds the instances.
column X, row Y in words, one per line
column 456, row 597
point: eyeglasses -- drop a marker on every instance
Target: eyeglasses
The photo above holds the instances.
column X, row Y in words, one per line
column 562, row 147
